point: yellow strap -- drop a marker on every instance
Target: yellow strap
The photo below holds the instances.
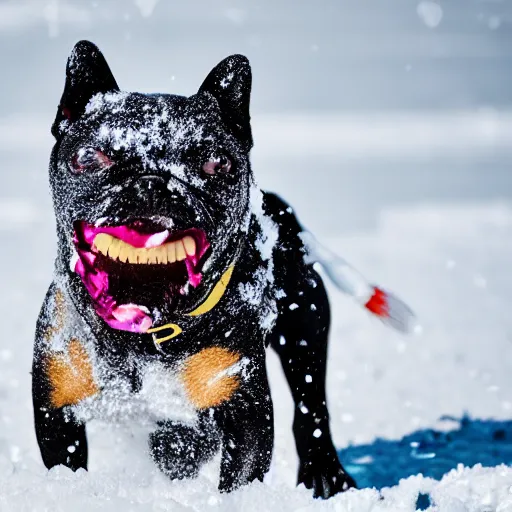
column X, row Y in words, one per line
column 217, row 293
column 211, row 301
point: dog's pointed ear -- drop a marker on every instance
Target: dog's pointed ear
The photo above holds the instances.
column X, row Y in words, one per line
column 230, row 84
column 87, row 74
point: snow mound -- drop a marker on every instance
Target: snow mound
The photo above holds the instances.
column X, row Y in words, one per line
column 451, row 263
column 30, row 488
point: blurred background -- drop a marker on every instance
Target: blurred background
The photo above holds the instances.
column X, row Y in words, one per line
column 387, row 124
column 356, row 105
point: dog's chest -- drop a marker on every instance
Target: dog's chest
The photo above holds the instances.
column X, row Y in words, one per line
column 161, row 396
column 202, row 380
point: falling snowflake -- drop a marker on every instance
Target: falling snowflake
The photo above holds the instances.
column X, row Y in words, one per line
column 431, row 13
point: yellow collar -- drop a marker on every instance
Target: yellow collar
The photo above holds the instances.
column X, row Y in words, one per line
column 211, row 301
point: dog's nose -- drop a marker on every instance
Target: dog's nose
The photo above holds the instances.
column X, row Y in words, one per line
column 150, row 182
column 150, row 189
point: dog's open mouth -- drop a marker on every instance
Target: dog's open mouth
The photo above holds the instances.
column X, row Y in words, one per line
column 128, row 267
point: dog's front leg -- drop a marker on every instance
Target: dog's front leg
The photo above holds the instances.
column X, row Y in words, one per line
column 180, row 450
column 61, row 438
column 61, row 377
column 247, row 429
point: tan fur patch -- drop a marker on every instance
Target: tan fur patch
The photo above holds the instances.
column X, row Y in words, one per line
column 204, row 374
column 59, row 311
column 70, row 375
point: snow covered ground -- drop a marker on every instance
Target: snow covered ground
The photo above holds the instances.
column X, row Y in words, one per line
column 387, row 125
column 445, row 247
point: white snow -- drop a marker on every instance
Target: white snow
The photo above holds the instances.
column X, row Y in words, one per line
column 162, row 396
column 461, row 362
column 450, row 261
column 267, row 240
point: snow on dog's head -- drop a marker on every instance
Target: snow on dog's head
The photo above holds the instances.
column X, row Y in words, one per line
column 151, row 192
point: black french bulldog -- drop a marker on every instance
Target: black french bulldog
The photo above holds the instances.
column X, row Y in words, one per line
column 174, row 273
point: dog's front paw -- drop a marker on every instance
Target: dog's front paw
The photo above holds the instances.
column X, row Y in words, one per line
column 179, row 450
column 325, row 476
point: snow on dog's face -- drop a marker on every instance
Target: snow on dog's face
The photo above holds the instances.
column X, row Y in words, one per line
column 151, row 192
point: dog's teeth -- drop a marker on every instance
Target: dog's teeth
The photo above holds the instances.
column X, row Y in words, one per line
column 171, row 252
column 190, row 245
column 142, row 256
column 123, row 253
column 180, row 251
column 102, row 242
column 114, row 248
column 132, row 255
column 161, row 254
column 151, row 255
column 126, row 253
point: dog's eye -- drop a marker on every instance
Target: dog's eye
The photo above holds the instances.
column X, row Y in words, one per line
column 217, row 165
column 89, row 159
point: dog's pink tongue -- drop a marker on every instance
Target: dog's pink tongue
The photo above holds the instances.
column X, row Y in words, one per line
column 130, row 317
column 193, row 277
column 127, row 317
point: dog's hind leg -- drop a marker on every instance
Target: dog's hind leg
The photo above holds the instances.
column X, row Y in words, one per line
column 300, row 339
column 179, row 450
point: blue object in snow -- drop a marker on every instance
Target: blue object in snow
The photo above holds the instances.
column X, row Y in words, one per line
column 429, row 452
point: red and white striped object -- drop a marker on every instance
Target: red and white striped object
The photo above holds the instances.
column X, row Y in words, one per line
column 384, row 305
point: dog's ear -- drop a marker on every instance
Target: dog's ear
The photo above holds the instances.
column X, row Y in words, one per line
column 230, row 84
column 87, row 74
